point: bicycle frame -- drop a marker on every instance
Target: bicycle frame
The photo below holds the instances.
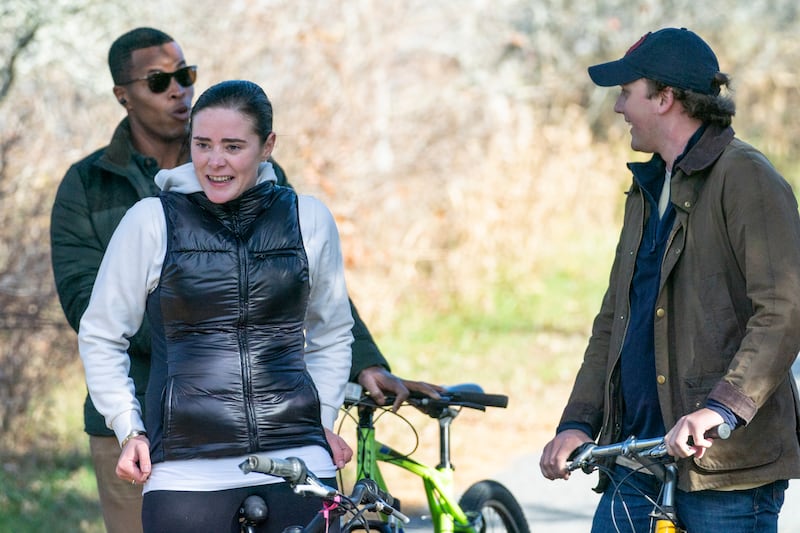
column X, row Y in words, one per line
column 446, row 514
column 486, row 505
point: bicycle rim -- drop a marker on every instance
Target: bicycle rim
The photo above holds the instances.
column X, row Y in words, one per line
column 494, row 508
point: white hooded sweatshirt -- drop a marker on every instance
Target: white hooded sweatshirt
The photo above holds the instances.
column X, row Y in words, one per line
column 130, row 271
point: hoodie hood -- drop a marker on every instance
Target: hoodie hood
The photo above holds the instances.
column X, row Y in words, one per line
column 183, row 179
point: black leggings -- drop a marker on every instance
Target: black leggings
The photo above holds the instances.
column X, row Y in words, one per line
column 166, row 511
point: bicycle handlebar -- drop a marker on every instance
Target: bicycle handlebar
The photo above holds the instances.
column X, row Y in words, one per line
column 294, row 471
column 648, row 448
column 464, row 395
column 470, row 393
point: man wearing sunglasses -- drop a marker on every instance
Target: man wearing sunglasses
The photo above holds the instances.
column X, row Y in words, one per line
column 155, row 85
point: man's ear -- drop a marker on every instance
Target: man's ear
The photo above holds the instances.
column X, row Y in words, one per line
column 120, row 94
column 666, row 98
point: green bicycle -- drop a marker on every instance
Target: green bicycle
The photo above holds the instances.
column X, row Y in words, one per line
column 485, row 506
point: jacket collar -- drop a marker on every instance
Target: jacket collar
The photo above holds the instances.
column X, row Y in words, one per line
column 700, row 156
column 121, row 159
column 120, row 151
column 707, row 150
column 243, row 209
column 695, row 166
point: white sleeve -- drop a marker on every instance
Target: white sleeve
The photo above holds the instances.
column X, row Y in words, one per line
column 329, row 322
column 130, row 270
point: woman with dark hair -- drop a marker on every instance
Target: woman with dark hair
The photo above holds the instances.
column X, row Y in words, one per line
column 243, row 284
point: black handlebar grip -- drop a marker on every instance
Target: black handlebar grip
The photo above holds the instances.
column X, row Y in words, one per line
column 381, row 494
column 487, row 400
column 367, row 490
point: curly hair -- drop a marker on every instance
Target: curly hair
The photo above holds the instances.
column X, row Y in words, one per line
column 714, row 108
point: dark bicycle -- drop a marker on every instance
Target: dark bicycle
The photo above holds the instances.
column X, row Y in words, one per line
column 346, row 511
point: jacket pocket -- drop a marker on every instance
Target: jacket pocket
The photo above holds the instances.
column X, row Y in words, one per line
column 748, row 447
column 202, row 422
column 696, row 391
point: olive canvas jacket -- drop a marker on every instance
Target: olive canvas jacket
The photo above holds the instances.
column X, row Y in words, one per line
column 727, row 315
column 91, row 200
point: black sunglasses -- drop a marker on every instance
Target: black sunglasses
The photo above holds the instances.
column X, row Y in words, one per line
column 158, row 82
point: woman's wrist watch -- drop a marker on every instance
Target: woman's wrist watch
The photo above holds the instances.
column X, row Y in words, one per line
column 132, row 434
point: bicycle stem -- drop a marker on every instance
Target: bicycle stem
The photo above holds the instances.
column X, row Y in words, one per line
column 666, row 514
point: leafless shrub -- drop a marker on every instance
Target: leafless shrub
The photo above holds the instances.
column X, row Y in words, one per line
column 459, row 144
column 29, row 355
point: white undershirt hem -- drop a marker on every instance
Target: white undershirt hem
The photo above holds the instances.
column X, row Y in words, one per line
column 205, row 475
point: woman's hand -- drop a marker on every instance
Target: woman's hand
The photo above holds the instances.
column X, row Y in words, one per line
column 342, row 453
column 134, row 460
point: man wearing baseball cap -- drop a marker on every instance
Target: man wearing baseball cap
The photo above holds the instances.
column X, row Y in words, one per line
column 701, row 320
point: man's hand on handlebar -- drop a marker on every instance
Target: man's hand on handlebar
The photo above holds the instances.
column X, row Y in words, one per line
column 553, row 463
column 379, row 382
column 687, row 437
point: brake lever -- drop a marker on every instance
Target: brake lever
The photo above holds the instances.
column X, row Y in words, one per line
column 577, row 459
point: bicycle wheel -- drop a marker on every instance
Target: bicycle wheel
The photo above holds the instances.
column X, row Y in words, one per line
column 497, row 507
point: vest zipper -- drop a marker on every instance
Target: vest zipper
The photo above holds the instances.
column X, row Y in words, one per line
column 244, row 352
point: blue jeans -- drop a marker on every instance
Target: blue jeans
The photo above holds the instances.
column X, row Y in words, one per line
column 624, row 507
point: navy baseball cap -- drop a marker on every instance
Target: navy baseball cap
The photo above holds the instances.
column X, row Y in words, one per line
column 676, row 57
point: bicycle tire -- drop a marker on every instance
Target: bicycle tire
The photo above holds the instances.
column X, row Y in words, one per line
column 497, row 507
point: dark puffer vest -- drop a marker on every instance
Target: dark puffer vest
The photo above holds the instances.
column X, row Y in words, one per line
column 227, row 372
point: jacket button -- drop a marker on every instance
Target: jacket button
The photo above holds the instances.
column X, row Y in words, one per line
column 660, row 312
column 687, row 204
column 661, row 379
